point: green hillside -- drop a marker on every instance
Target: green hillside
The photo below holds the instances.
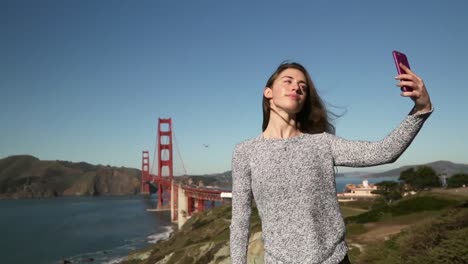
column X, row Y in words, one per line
column 26, row 176
column 430, row 227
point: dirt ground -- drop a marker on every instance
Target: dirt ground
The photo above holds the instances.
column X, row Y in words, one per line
column 375, row 232
column 379, row 232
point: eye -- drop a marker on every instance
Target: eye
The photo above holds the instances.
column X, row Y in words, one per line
column 288, row 81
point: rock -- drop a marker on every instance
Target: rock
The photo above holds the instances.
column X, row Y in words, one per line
column 109, row 181
column 222, row 256
column 166, row 259
column 139, row 256
column 256, row 251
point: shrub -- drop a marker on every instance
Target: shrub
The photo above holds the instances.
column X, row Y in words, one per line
column 373, row 215
column 421, row 203
column 457, row 180
column 403, row 207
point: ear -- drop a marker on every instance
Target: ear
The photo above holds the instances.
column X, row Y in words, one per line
column 268, row 92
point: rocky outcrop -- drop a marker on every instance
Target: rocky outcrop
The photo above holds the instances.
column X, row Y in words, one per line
column 111, row 181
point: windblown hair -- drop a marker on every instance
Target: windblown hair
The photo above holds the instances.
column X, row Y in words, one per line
column 313, row 117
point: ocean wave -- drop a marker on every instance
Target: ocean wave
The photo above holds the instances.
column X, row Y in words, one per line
column 115, row 261
column 153, row 239
column 108, row 256
column 118, row 254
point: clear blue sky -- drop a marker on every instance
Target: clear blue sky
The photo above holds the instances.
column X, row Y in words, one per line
column 87, row 80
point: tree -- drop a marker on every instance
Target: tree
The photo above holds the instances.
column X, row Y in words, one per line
column 390, row 191
column 407, row 174
column 457, row 180
column 421, row 178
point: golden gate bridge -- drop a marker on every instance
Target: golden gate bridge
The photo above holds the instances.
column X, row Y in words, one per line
column 183, row 200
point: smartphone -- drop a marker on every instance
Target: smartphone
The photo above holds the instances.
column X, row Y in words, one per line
column 399, row 57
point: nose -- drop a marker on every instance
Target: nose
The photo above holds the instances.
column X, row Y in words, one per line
column 297, row 88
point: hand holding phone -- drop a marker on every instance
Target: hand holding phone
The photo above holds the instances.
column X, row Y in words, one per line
column 399, row 57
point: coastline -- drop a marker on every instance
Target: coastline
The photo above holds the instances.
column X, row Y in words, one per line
column 144, row 253
column 121, row 253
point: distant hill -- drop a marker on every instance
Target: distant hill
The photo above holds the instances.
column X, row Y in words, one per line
column 25, row 176
column 441, row 167
column 224, row 180
column 353, row 174
column 218, row 180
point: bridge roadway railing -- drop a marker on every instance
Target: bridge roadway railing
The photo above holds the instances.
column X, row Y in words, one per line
column 186, row 200
column 191, row 200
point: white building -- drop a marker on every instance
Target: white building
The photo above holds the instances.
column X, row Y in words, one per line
column 353, row 191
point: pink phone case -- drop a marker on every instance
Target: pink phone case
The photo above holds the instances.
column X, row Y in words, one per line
column 399, row 57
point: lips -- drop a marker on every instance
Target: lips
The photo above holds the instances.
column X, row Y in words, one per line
column 293, row 96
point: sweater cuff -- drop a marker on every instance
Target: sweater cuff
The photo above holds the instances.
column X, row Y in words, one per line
column 421, row 114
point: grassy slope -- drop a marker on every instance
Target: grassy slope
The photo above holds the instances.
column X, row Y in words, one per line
column 380, row 241
column 198, row 241
column 416, row 230
column 438, row 239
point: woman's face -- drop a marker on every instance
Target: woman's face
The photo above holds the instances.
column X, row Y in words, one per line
column 288, row 91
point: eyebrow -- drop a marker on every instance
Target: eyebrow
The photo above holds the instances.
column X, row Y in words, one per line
column 293, row 78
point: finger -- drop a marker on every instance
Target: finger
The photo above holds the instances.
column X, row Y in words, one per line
column 406, row 94
column 407, row 84
column 405, row 76
column 406, row 69
column 413, row 95
column 411, row 73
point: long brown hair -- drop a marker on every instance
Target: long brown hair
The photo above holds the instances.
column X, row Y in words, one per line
column 313, row 117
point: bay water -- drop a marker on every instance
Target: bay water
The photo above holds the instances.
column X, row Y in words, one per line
column 80, row 229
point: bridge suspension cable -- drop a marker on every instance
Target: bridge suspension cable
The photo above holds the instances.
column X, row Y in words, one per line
column 178, row 153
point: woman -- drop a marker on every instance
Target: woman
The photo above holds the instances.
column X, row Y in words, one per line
column 289, row 170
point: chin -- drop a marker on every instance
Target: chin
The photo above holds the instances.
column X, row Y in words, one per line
column 293, row 111
column 291, row 108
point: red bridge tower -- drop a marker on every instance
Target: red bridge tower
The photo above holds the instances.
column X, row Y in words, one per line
column 145, row 173
column 164, row 158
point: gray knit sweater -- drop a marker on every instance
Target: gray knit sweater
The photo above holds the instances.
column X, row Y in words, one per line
column 293, row 183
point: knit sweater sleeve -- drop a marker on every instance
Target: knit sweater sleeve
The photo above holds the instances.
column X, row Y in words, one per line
column 365, row 153
column 241, row 206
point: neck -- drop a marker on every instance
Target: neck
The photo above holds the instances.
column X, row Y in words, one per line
column 281, row 125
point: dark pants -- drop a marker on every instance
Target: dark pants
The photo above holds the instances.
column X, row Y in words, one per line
column 345, row 260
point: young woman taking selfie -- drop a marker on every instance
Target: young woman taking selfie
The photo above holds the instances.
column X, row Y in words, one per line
column 289, row 169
